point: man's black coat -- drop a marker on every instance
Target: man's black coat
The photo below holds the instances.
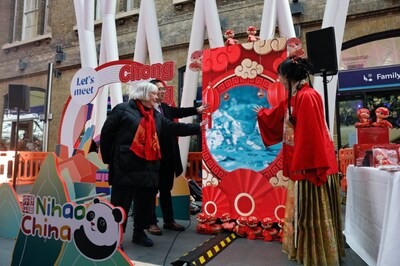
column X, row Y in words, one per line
column 170, row 154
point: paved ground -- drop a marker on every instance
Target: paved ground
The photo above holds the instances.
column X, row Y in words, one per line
column 173, row 245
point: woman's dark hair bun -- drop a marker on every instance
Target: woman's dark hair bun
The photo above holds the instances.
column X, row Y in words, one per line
column 295, row 68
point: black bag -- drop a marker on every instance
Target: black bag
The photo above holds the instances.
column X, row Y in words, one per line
column 195, row 190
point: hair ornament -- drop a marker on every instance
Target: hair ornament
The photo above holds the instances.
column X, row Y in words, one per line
column 294, row 59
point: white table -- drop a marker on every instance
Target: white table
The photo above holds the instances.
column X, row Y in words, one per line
column 372, row 225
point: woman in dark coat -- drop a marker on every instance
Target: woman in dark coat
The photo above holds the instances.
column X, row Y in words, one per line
column 129, row 143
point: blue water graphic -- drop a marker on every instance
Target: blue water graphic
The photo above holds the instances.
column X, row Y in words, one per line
column 234, row 140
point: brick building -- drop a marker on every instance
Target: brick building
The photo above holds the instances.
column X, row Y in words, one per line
column 35, row 33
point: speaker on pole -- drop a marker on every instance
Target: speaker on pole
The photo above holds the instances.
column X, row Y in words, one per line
column 18, row 97
column 321, row 50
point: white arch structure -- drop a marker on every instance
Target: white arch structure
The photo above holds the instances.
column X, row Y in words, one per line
column 205, row 17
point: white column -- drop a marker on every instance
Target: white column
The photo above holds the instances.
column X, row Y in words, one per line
column 108, row 52
column 213, row 25
column 205, row 13
column 191, row 77
column 84, row 12
column 140, row 54
column 152, row 33
column 285, row 21
column 268, row 20
column 102, row 94
column 89, row 43
column 109, row 33
column 148, row 35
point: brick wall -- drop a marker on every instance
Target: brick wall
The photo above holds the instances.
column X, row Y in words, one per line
column 365, row 17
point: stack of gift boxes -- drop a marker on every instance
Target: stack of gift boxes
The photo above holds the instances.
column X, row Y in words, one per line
column 373, row 147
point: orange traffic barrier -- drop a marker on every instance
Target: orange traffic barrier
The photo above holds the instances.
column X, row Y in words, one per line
column 346, row 157
column 28, row 166
column 193, row 169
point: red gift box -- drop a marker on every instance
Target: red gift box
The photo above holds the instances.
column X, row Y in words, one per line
column 360, row 152
column 376, row 135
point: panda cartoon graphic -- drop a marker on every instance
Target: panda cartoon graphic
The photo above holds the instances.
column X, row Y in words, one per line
column 99, row 235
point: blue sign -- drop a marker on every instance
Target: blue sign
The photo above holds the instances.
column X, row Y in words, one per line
column 369, row 78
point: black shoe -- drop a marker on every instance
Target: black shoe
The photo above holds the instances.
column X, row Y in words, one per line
column 141, row 238
column 174, row 226
column 194, row 209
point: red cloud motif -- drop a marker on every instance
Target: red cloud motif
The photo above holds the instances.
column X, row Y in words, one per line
column 218, row 59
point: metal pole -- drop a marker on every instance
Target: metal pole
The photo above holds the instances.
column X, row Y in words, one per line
column 47, row 114
column 338, row 133
column 325, row 81
column 15, row 173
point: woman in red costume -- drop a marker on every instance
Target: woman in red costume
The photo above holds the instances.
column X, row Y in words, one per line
column 312, row 227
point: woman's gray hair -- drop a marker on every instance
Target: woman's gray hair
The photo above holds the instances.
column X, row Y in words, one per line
column 141, row 91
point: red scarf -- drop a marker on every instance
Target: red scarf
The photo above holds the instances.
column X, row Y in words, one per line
column 145, row 143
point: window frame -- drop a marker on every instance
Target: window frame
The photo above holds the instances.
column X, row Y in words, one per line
column 130, row 6
column 18, row 33
column 30, row 19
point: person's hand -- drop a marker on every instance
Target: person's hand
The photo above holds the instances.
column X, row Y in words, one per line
column 203, row 123
column 202, row 108
column 257, row 108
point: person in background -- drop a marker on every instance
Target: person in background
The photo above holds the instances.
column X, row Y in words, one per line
column 21, row 145
column 312, row 232
column 171, row 164
column 37, row 144
column 129, row 144
column 3, row 146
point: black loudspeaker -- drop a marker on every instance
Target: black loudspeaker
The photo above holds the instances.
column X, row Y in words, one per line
column 321, row 50
column 18, row 97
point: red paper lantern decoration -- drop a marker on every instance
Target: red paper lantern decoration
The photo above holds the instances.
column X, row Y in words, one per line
column 276, row 93
column 211, row 96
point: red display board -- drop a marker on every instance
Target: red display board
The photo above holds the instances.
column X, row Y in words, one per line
column 234, row 75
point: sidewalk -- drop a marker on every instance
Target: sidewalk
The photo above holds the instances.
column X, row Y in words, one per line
column 173, row 245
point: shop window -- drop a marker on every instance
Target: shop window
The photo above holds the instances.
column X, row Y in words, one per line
column 30, row 126
column 349, row 103
column 390, row 100
column 347, row 111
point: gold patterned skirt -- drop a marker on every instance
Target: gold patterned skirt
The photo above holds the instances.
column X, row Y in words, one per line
column 312, row 232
